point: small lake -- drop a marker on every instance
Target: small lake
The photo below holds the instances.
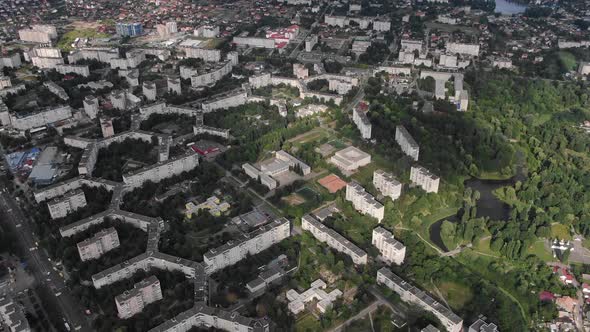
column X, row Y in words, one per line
column 487, row 206
column 505, row 7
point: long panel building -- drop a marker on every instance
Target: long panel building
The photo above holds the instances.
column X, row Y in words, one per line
column 412, row 294
column 162, row 170
column 407, row 142
column 364, row 202
column 333, row 239
column 248, row 244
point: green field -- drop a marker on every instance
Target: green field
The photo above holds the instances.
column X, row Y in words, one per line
column 65, row 42
column 568, row 60
column 457, row 295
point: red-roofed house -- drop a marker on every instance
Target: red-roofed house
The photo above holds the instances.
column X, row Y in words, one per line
column 546, row 296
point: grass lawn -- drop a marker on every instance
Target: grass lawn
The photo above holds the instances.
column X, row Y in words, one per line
column 493, row 176
column 538, row 249
column 457, row 295
column 567, row 59
column 307, row 323
column 483, row 246
column 560, row 231
column 68, row 38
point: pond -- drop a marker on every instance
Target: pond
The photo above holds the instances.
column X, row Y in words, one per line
column 506, row 7
column 487, row 206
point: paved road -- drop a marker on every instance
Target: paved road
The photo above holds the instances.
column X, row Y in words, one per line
column 39, row 262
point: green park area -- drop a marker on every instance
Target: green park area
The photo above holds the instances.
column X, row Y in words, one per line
column 66, row 40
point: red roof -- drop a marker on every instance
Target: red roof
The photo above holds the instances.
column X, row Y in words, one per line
column 546, row 296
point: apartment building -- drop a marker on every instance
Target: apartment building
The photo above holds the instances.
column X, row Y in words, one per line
column 129, row 29
column 310, row 42
column 463, row 48
column 202, row 316
column 37, row 119
column 333, row 239
column 82, row 70
column 387, row 184
column 425, row 179
column 247, row 244
column 391, row 249
column 209, row 76
column 207, row 55
column 409, row 293
column 56, row 90
column 260, row 80
column 162, row 108
column 133, row 301
column 315, row 293
column 46, row 57
column 149, row 90
column 173, row 85
column 360, row 119
column 254, row 42
column 12, row 315
column 88, row 159
column 38, row 33
column 102, row 54
column 364, row 202
column 162, row 170
column 11, row 60
column 407, row 142
column 62, row 206
column 207, row 31
column 226, row 100
column 350, row 159
column 95, row 246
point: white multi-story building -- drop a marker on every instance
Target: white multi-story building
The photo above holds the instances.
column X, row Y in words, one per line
column 13, row 316
column 226, row 100
column 387, row 184
column 407, row 142
column 292, row 161
column 5, row 82
column 391, row 249
column 260, row 80
column 247, row 244
column 254, row 42
column 315, row 292
column 208, row 55
column 174, row 86
column 350, row 159
column 409, row 293
column 359, row 117
column 102, row 54
column 162, row 170
column 106, row 126
column 88, row 159
column 81, row 70
column 334, row 240
column 143, row 293
column 12, row 60
column 381, row 25
column 162, row 108
column 425, row 179
column 203, row 316
column 310, row 42
column 149, row 90
column 207, row 31
column 46, row 57
column 56, row 90
column 41, row 118
column 364, row 202
column 118, row 99
column 42, row 34
column 95, row 246
column 62, row 206
column 480, row 325
column 463, row 48
column 90, row 106
column 300, row 71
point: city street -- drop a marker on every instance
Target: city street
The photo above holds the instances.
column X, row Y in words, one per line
column 40, row 264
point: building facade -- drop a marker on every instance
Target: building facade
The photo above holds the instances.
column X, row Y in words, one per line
column 407, row 142
column 102, row 242
column 61, row 207
column 334, row 240
column 133, row 301
column 391, row 249
column 364, row 202
column 387, row 184
column 425, row 179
